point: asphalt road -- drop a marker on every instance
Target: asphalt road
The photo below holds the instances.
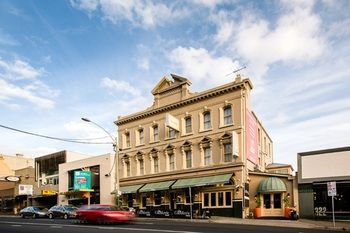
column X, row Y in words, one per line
column 16, row 225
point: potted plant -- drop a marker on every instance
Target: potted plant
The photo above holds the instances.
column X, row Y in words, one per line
column 287, row 209
column 258, row 206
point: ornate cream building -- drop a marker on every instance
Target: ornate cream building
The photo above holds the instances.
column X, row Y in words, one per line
column 193, row 151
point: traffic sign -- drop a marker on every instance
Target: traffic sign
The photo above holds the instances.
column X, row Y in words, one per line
column 332, row 188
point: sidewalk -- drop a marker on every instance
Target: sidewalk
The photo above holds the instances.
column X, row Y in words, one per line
column 301, row 223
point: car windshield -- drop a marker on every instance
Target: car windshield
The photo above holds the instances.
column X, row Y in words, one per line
column 71, row 208
column 101, row 207
column 39, row 208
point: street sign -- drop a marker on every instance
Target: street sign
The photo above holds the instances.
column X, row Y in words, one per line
column 12, row 178
column 332, row 188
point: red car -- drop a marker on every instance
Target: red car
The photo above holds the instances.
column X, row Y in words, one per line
column 104, row 214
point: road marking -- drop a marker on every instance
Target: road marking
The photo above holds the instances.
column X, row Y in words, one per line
column 55, row 226
column 16, row 225
column 98, row 227
column 143, row 223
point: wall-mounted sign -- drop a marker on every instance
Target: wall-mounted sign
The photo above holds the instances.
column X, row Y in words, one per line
column 172, row 122
column 49, row 192
column 12, row 178
column 82, row 180
column 235, row 145
column 25, row 189
column 251, row 137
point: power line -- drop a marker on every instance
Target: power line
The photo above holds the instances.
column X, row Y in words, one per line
column 55, row 138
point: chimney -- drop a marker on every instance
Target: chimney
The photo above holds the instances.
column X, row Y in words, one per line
column 238, row 78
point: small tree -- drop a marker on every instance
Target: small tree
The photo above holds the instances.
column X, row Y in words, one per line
column 258, row 201
column 286, row 200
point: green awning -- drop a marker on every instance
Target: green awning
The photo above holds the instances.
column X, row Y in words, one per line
column 157, row 186
column 202, row 181
column 130, row 189
column 272, row 185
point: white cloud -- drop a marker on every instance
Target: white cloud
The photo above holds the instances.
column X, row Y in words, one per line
column 86, row 130
column 18, row 70
column 202, row 68
column 313, row 134
column 296, row 37
column 19, row 81
column 209, row 3
column 10, row 93
column 140, row 13
column 120, row 86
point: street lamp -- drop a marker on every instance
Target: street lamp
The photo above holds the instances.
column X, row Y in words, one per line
column 116, row 162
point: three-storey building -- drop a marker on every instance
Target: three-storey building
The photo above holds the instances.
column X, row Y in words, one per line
column 192, row 152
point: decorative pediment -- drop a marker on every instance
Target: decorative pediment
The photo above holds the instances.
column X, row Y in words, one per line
column 226, row 135
column 187, row 143
column 163, row 84
column 166, row 84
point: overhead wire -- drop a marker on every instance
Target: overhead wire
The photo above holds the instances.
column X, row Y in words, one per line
column 79, row 140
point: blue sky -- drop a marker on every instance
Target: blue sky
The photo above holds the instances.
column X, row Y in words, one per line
column 63, row 60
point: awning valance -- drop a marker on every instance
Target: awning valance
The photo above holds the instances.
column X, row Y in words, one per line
column 202, row 181
column 129, row 189
column 272, row 185
column 157, row 186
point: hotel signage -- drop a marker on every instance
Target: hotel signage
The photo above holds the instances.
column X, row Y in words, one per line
column 172, row 122
column 251, row 137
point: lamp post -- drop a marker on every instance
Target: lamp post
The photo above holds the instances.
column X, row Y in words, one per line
column 116, row 161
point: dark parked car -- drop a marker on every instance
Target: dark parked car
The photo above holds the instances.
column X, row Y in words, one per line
column 104, row 214
column 62, row 211
column 33, row 212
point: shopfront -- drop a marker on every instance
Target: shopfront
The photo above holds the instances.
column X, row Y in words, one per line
column 316, row 169
column 87, row 181
column 323, row 202
column 179, row 198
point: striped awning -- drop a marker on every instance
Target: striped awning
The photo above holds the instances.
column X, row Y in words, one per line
column 202, row 181
column 157, row 186
column 272, row 185
column 130, row 188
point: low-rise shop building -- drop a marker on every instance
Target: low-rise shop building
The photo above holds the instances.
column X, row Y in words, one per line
column 17, row 167
column 47, row 176
column 316, row 169
column 87, row 181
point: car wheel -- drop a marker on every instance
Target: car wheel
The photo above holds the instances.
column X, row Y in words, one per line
column 34, row 216
column 65, row 216
column 50, row 216
column 22, row 215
